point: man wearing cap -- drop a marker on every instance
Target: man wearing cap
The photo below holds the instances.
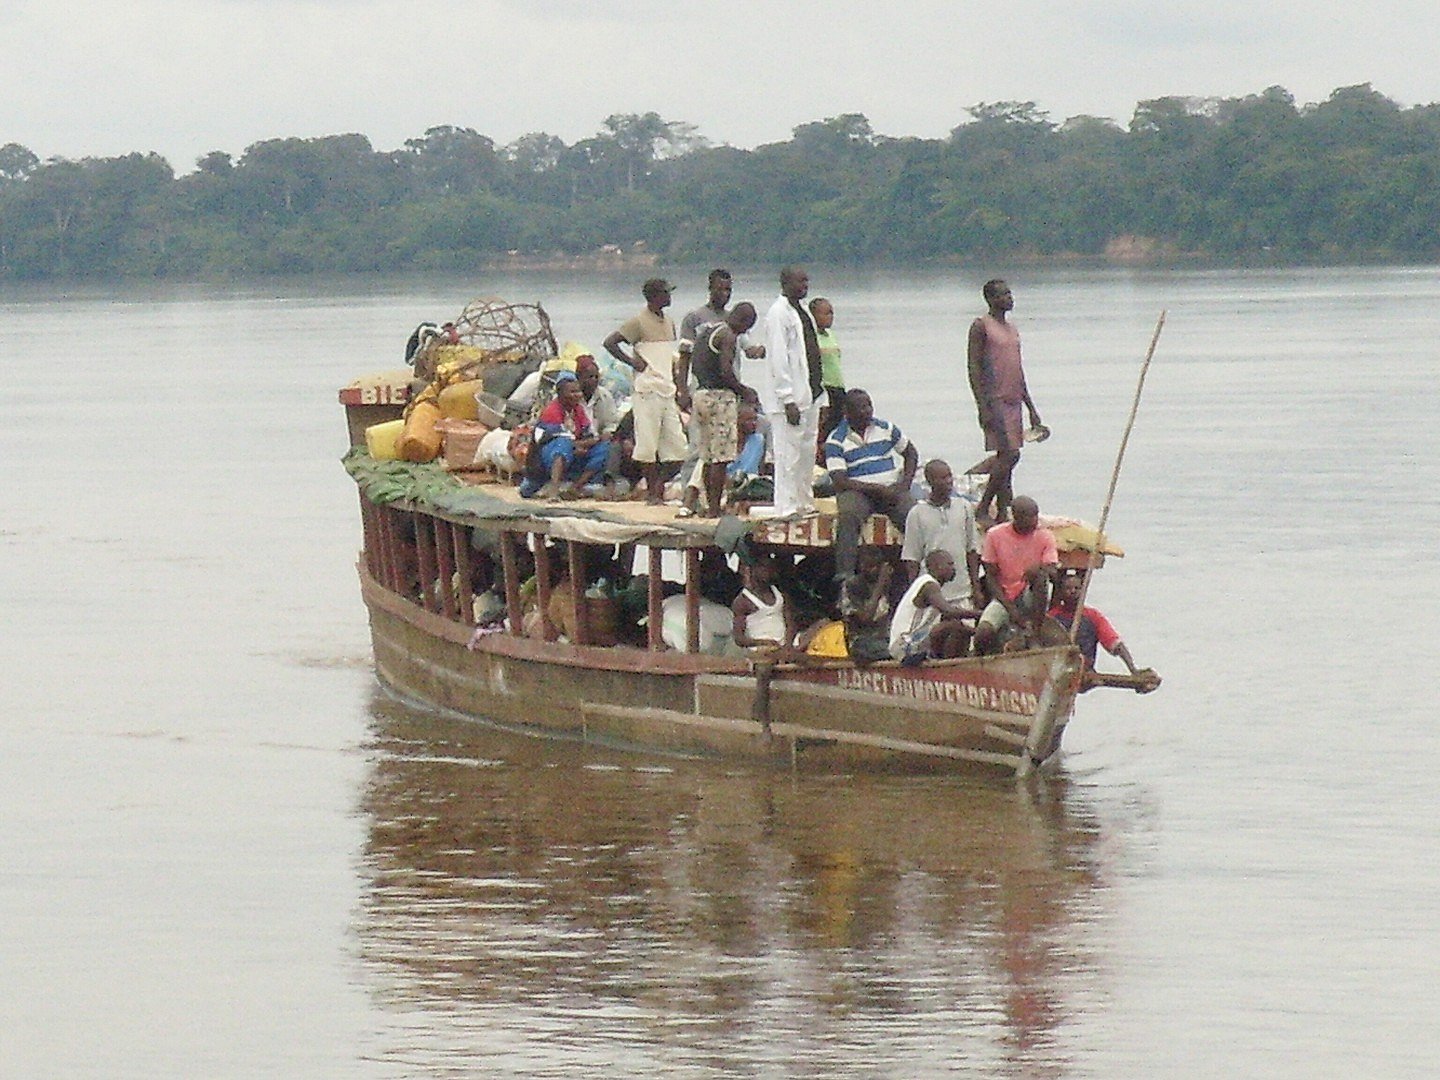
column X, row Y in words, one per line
column 659, row 433
column 792, row 394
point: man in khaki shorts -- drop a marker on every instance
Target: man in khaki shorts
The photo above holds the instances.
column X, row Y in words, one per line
column 659, row 433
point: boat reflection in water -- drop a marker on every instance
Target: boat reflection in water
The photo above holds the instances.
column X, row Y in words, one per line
column 537, row 905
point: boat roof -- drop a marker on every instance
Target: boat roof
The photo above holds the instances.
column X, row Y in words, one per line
column 433, row 489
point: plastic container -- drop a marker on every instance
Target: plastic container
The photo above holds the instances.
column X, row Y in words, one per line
column 380, row 440
column 420, row 441
column 457, row 401
column 461, row 441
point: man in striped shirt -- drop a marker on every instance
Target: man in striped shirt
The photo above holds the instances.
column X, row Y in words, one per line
column 873, row 466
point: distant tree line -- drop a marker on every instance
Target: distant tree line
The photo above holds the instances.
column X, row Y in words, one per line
column 1353, row 177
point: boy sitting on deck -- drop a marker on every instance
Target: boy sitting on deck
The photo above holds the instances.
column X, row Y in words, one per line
column 570, row 453
column 764, row 620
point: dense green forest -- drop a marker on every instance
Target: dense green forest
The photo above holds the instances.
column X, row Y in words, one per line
column 1353, row 177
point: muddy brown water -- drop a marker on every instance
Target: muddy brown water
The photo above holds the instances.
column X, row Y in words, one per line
column 228, row 853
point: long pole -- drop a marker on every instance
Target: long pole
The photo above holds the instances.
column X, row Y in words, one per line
column 1114, row 479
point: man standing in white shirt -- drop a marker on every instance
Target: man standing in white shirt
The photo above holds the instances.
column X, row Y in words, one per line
column 793, row 396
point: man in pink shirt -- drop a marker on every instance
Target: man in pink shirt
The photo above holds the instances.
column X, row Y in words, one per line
column 1020, row 560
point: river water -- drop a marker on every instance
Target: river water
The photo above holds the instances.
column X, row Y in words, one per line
column 227, row 853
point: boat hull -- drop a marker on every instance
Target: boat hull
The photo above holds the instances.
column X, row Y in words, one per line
column 999, row 714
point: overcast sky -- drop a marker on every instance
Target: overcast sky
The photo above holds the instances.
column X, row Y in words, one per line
column 183, row 77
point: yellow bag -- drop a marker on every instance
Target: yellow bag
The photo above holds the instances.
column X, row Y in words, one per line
column 829, row 642
column 450, row 359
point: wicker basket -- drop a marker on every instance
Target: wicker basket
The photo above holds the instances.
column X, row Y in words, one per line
column 603, row 612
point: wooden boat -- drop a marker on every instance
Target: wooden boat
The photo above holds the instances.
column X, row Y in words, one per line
column 1001, row 714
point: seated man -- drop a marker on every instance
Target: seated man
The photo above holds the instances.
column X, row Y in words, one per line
column 865, row 608
column 751, row 449
column 1095, row 631
column 605, row 416
column 942, row 521
column 872, row 465
column 927, row 625
column 570, row 453
column 1020, row 560
column 762, row 615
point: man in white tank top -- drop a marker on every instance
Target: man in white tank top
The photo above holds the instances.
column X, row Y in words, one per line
column 927, row 625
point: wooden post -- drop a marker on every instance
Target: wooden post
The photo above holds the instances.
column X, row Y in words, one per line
column 576, row 552
column 509, row 566
column 626, row 559
column 389, row 559
column 371, row 545
column 460, row 546
column 657, row 641
column 542, row 586
column 445, row 567
column 425, row 558
column 692, row 600
column 382, row 556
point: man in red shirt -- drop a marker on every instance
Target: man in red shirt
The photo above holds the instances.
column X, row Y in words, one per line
column 1020, row 561
column 1095, row 632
